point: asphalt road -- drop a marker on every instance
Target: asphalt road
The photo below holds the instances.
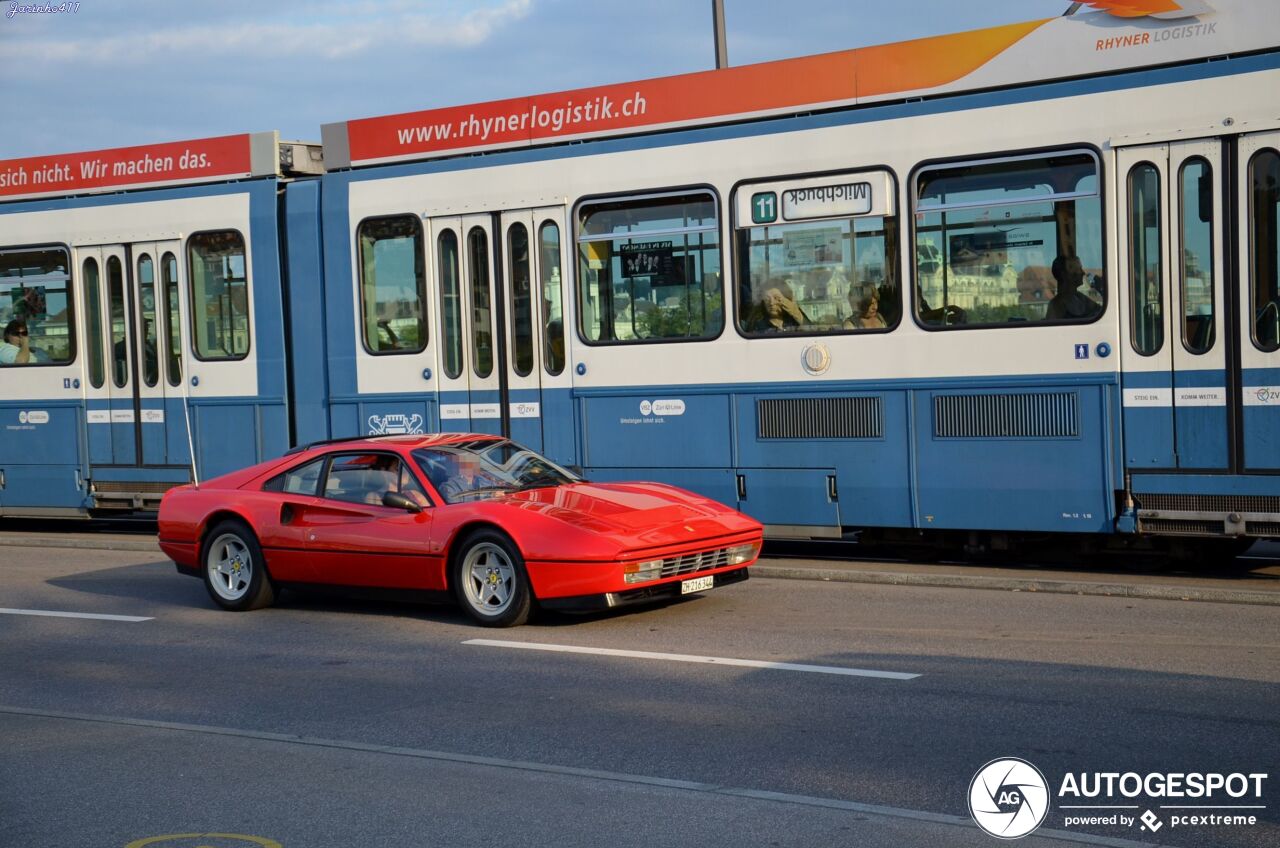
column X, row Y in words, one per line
column 332, row 722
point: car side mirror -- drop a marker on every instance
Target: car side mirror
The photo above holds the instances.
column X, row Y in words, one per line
column 399, row 501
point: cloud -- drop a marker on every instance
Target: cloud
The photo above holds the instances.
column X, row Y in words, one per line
column 351, row 30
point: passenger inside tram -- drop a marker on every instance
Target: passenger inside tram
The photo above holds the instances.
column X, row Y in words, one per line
column 16, row 349
column 777, row 311
column 948, row 315
column 1069, row 302
column 866, row 313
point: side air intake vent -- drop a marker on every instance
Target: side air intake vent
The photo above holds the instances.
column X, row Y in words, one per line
column 1040, row 415
column 820, row 418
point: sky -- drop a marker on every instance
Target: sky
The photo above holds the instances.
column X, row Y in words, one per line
column 114, row 73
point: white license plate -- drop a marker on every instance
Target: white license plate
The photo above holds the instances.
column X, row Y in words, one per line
column 697, row 584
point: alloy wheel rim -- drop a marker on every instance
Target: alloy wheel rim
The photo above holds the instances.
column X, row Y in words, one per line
column 230, row 567
column 488, row 579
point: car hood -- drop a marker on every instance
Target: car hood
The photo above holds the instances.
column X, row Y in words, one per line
column 639, row 515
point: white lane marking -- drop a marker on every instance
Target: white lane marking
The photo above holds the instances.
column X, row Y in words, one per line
column 93, row 615
column 690, row 658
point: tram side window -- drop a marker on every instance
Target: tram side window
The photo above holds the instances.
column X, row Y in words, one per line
column 1264, row 214
column 552, row 305
column 172, row 319
column 93, row 323
column 481, row 313
column 35, row 307
column 1196, row 254
column 118, row 317
column 219, row 295
column 833, row 276
column 147, row 300
column 450, row 303
column 521, row 300
column 1146, row 267
column 650, row 269
column 1009, row 241
column 393, row 285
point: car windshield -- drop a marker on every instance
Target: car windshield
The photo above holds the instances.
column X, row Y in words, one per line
column 464, row 471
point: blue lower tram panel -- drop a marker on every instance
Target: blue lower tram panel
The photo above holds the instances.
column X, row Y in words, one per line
column 1033, row 459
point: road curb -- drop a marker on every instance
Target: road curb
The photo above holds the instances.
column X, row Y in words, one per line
column 1017, row 584
column 144, row 544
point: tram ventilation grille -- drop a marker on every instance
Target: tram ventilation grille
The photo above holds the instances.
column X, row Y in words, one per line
column 693, row 563
column 820, row 418
column 1181, row 527
column 1262, row 528
column 147, row 487
column 1002, row 416
column 1210, row 503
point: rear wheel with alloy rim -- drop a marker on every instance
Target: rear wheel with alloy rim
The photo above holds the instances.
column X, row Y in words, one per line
column 235, row 572
column 490, row 581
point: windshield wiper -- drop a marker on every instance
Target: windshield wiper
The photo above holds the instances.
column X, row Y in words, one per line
column 540, row 484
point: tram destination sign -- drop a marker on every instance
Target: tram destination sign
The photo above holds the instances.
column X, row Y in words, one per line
column 147, row 166
column 826, row 201
column 817, row 198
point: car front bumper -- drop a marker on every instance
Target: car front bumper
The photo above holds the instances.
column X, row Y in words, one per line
column 667, row 590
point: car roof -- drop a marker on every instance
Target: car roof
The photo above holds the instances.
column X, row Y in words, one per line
column 404, row 441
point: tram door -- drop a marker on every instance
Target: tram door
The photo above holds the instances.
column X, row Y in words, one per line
column 1191, row 312
column 470, row 379
column 1258, row 206
column 134, row 353
column 502, row 325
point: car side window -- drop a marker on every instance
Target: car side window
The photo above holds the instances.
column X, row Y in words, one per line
column 302, row 480
column 364, row 479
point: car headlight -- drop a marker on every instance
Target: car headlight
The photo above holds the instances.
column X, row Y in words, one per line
column 639, row 572
column 743, row 553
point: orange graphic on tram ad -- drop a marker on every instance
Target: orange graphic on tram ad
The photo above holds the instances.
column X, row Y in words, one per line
column 1151, row 8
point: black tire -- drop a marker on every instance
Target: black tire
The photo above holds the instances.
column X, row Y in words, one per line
column 234, row 569
column 490, row 581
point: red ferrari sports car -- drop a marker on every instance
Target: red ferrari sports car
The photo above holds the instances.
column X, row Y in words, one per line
column 496, row 524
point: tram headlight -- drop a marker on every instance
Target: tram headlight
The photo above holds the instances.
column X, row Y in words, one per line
column 743, row 553
column 640, row 572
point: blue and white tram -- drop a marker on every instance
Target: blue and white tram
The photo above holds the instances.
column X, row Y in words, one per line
column 153, row 320
column 1039, row 307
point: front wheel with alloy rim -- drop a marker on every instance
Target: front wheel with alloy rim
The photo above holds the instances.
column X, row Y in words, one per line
column 235, row 572
column 490, row 580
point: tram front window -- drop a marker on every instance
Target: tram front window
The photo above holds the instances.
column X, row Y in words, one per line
column 35, row 309
column 1010, row 241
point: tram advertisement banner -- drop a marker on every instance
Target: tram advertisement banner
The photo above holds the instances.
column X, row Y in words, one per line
column 1119, row 35
column 172, row 163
